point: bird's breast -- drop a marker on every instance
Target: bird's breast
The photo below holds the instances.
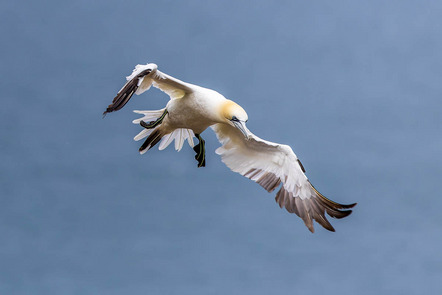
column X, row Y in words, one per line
column 190, row 112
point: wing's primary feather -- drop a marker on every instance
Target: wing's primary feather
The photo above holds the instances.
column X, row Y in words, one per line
column 141, row 79
column 270, row 164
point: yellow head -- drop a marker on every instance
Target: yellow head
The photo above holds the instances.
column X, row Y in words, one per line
column 234, row 115
column 232, row 111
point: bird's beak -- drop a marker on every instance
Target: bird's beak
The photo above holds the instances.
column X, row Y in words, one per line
column 241, row 125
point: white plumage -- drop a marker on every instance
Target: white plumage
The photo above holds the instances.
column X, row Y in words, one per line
column 192, row 109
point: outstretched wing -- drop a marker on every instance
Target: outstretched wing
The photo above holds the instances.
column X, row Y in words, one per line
column 141, row 79
column 270, row 164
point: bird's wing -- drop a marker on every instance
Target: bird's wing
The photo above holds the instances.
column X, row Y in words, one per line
column 141, row 79
column 270, row 164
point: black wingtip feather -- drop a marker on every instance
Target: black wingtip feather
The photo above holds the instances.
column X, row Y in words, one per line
column 151, row 140
column 125, row 94
column 313, row 208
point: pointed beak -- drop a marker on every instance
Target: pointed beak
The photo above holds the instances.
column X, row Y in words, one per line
column 241, row 125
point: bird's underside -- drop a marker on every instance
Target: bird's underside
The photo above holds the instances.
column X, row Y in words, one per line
column 269, row 164
column 155, row 137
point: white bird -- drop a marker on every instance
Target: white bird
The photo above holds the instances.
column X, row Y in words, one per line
column 192, row 109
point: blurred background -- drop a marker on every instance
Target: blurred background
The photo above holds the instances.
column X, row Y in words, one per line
column 353, row 86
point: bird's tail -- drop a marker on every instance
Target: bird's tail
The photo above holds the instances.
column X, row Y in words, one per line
column 180, row 135
column 151, row 140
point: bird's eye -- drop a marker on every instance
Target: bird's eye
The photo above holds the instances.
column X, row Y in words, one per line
column 234, row 118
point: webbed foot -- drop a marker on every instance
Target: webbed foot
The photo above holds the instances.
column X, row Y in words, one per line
column 200, row 150
column 153, row 124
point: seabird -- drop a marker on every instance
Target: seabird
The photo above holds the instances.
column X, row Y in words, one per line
column 192, row 109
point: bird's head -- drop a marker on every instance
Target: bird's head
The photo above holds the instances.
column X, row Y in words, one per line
column 236, row 116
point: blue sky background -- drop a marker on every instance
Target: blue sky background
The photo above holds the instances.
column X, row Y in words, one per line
column 353, row 86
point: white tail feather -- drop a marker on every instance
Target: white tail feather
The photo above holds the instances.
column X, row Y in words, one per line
column 166, row 140
column 179, row 140
column 179, row 135
column 144, row 133
column 190, row 137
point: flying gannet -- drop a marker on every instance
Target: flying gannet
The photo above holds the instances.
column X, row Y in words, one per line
column 192, row 109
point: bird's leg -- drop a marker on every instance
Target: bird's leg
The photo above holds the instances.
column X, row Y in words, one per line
column 200, row 150
column 153, row 124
